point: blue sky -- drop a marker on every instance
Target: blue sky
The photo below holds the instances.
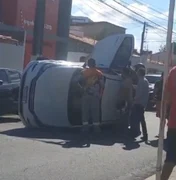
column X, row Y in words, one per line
column 154, row 36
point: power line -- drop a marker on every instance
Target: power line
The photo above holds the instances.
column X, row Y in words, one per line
column 159, row 34
column 85, row 13
column 140, row 15
column 102, row 14
column 115, row 9
column 145, row 12
column 102, row 4
column 154, row 27
column 153, row 9
column 127, row 14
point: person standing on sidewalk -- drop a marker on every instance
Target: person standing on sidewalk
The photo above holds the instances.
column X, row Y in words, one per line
column 170, row 101
column 93, row 85
column 138, row 109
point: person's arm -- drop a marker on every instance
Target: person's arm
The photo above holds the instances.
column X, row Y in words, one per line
column 138, row 93
column 120, row 95
column 167, row 90
column 102, row 82
column 79, row 79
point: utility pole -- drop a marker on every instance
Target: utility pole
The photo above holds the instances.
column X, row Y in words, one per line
column 1, row 9
column 38, row 32
column 63, row 28
column 142, row 38
column 166, row 67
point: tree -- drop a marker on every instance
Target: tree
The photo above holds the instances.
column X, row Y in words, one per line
column 162, row 48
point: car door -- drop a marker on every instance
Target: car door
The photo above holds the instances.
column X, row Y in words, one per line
column 5, row 91
column 14, row 80
column 5, row 82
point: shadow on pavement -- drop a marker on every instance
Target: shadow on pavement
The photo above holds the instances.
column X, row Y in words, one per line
column 72, row 138
column 8, row 120
column 154, row 143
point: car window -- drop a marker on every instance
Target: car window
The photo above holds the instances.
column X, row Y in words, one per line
column 123, row 54
column 153, row 79
column 3, row 76
column 14, row 76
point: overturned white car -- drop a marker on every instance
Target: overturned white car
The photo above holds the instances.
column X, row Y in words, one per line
column 49, row 95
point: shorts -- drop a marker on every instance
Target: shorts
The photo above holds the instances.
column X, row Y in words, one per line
column 171, row 146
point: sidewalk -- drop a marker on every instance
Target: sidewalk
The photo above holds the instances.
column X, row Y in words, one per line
column 173, row 176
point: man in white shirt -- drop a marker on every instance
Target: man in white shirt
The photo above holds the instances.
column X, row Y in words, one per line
column 140, row 103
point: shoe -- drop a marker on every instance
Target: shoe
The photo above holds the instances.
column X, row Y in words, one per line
column 145, row 138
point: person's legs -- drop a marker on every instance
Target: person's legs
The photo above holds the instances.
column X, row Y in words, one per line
column 85, row 112
column 170, row 155
column 143, row 124
column 95, row 112
column 167, row 170
column 126, row 119
column 135, row 122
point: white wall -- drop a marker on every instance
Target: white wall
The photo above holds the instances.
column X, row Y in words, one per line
column 75, row 56
column 149, row 64
column 161, row 58
column 11, row 56
column 158, row 57
column 138, row 59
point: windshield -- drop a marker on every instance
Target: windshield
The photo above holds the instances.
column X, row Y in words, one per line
column 123, row 54
column 153, row 79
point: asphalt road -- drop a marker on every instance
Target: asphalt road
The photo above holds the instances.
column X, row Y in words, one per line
column 42, row 155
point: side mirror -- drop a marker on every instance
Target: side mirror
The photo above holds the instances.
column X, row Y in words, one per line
column 1, row 82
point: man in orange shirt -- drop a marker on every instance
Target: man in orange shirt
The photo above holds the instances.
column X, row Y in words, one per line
column 93, row 85
column 170, row 100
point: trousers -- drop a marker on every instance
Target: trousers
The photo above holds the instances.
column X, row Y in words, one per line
column 137, row 118
column 90, row 109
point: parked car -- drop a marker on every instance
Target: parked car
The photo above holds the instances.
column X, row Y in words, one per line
column 152, row 79
column 9, row 91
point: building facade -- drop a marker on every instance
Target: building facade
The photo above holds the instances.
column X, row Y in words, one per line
column 80, row 19
column 84, row 35
column 22, row 14
column 96, row 30
column 79, row 46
